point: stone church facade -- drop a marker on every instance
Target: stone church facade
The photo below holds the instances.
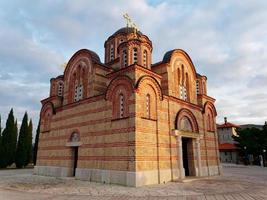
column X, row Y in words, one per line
column 128, row 121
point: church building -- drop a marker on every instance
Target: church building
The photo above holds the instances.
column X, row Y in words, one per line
column 127, row 120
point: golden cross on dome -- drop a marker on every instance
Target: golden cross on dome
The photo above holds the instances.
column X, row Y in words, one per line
column 130, row 23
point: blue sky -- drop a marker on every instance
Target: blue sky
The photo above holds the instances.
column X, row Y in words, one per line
column 227, row 41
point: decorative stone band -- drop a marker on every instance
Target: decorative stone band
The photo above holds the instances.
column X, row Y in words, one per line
column 176, row 132
column 127, row 178
column 73, row 144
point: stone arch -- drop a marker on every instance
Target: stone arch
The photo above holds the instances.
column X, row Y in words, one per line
column 185, row 113
column 152, row 82
column 178, row 54
column 80, row 68
column 211, row 107
column 120, row 80
column 46, row 114
column 120, row 86
column 209, row 116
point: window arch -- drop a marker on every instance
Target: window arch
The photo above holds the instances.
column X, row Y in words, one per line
column 197, row 87
column 145, row 58
column 79, row 80
column 148, row 106
column 60, row 89
column 187, row 88
column 210, row 121
column 47, row 120
column 124, row 58
column 134, row 56
column 111, row 52
column 121, row 106
column 186, row 121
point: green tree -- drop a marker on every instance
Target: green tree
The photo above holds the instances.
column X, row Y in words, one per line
column 251, row 140
column 21, row 154
column 1, row 152
column 29, row 143
column 9, row 141
column 35, row 148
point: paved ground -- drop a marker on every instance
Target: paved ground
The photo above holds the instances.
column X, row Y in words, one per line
column 237, row 183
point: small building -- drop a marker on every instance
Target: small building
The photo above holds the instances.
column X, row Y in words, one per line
column 227, row 148
column 128, row 121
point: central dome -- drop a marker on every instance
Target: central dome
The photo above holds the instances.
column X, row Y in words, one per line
column 126, row 30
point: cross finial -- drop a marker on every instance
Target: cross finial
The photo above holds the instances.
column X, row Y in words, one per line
column 130, row 23
column 128, row 19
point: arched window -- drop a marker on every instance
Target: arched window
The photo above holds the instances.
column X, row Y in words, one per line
column 183, row 87
column 47, row 120
column 183, row 92
column 145, row 58
column 148, row 106
column 197, row 87
column 187, row 88
column 111, row 52
column 78, row 93
column 124, row 58
column 134, row 55
column 210, row 122
column 121, row 107
column 60, row 89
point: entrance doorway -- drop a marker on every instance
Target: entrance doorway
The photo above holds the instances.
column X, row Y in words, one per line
column 75, row 159
column 188, row 156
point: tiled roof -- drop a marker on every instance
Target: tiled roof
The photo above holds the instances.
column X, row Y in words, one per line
column 227, row 125
column 227, row 146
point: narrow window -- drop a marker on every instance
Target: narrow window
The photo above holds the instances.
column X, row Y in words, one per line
column 134, row 55
column 80, row 92
column 60, row 89
column 183, row 92
column 145, row 58
column 76, row 93
column 111, row 52
column 124, row 58
column 148, row 106
column 121, row 105
column 197, row 87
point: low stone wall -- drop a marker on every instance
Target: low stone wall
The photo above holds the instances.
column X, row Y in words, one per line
column 53, row 171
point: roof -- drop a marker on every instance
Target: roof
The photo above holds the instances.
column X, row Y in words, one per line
column 227, row 146
column 126, row 30
column 227, row 125
column 167, row 56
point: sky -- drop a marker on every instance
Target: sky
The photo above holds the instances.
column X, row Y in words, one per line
column 226, row 40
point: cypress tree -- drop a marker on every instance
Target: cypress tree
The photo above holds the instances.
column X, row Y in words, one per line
column 29, row 143
column 9, row 141
column 35, row 148
column 21, row 154
column 1, row 152
column 0, row 127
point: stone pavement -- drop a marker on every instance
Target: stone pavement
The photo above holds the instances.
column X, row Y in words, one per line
column 236, row 183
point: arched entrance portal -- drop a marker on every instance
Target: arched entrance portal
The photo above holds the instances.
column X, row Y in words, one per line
column 74, row 144
column 188, row 146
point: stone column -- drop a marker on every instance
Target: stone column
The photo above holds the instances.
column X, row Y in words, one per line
column 198, row 156
column 180, row 156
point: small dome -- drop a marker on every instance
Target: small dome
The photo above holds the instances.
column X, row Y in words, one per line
column 95, row 57
column 126, row 30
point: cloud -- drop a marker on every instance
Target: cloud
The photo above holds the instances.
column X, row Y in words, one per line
column 225, row 39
